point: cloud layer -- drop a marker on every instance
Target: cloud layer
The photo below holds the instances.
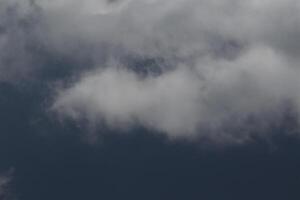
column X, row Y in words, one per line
column 183, row 67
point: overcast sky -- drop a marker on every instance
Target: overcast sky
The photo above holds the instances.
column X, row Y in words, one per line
column 175, row 84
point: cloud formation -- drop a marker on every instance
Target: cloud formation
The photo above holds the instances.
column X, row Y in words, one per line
column 182, row 67
column 186, row 99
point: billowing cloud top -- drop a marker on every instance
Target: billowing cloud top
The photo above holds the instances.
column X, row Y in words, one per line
column 181, row 67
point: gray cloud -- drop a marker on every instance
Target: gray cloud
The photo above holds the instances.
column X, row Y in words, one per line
column 16, row 36
column 220, row 62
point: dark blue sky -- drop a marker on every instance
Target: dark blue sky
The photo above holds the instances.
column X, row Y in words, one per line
column 52, row 161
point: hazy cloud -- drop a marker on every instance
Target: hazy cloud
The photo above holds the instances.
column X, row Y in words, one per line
column 5, row 180
column 17, row 37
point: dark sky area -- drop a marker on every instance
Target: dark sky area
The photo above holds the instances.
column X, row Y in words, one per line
column 53, row 161
column 149, row 100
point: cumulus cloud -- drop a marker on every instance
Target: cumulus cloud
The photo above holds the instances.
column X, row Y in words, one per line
column 185, row 100
column 182, row 67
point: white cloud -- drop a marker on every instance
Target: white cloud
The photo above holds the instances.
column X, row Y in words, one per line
column 224, row 61
column 185, row 100
column 168, row 102
column 229, row 60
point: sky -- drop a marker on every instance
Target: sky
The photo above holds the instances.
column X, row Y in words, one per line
column 149, row 99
